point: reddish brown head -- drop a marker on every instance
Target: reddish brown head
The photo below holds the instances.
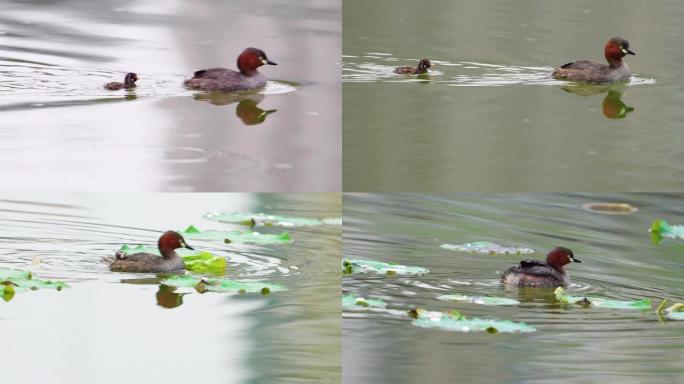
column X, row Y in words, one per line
column 616, row 48
column 170, row 241
column 560, row 256
column 250, row 59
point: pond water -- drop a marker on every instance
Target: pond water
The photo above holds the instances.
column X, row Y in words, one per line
column 113, row 327
column 571, row 344
column 58, row 123
column 488, row 117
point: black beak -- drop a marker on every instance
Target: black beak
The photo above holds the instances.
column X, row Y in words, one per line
column 269, row 62
column 189, row 247
column 575, row 260
column 630, row 52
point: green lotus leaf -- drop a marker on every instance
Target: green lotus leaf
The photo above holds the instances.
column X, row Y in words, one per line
column 660, row 229
column 353, row 302
column 221, row 285
column 587, row 301
column 365, row 266
column 457, row 322
column 673, row 312
column 205, row 262
column 486, row 247
column 254, row 219
column 483, row 300
column 195, row 260
column 13, row 281
column 237, row 236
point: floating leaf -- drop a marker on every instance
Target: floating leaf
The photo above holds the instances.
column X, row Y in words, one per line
column 221, row 285
column 587, row 301
column 483, row 300
column 13, row 281
column 610, row 208
column 10, row 274
column 673, row 312
column 661, row 229
column 457, row 322
column 237, row 236
column 205, row 262
column 352, row 302
column 486, row 247
column 364, row 266
column 253, row 219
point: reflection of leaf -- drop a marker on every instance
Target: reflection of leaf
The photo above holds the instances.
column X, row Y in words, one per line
column 352, row 302
column 221, row 285
column 661, row 229
column 486, row 247
column 364, row 266
column 483, row 300
column 459, row 323
column 264, row 219
column 587, row 301
column 237, row 236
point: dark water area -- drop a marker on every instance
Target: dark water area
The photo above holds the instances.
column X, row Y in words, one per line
column 111, row 327
column 570, row 344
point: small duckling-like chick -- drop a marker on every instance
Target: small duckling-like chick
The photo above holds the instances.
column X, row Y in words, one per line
column 129, row 82
column 222, row 79
column 169, row 261
column 591, row 72
column 422, row 67
column 536, row 273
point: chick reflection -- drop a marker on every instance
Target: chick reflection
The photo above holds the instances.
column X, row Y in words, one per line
column 247, row 109
column 613, row 107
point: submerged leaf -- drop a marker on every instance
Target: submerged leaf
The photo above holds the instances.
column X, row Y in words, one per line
column 364, row 266
column 483, row 300
column 237, row 236
column 253, row 219
column 486, row 247
column 352, row 302
column 221, row 285
column 587, row 301
column 459, row 323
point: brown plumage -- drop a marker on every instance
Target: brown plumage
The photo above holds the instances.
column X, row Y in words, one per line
column 222, row 79
column 422, row 67
column 129, row 82
column 591, row 72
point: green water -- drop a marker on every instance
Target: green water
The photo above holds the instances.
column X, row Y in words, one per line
column 489, row 118
column 570, row 345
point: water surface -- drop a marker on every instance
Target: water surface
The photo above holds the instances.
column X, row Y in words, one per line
column 570, row 345
column 58, row 123
column 488, row 117
column 121, row 327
